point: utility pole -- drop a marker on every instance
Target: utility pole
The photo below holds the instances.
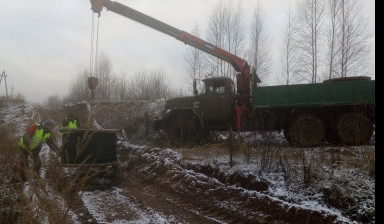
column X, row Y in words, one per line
column 3, row 75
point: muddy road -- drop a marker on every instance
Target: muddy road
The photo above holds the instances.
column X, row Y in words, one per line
column 156, row 185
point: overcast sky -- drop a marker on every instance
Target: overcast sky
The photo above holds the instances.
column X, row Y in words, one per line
column 45, row 44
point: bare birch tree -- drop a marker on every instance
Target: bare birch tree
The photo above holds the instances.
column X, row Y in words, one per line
column 226, row 30
column 106, row 78
column 216, row 35
column 354, row 47
column 79, row 89
column 149, row 86
column 260, row 52
column 289, row 52
column 310, row 17
column 120, row 91
column 333, row 38
column 195, row 62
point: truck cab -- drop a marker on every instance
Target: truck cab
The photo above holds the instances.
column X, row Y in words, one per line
column 217, row 102
column 212, row 108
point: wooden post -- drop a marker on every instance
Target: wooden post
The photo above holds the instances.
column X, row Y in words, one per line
column 231, row 146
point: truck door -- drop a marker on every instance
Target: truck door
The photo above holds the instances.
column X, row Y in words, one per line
column 217, row 102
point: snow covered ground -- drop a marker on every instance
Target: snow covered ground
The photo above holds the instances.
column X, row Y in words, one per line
column 264, row 180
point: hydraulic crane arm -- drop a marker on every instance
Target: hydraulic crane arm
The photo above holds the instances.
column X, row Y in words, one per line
column 240, row 65
column 183, row 36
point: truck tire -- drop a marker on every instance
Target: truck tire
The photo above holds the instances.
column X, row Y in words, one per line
column 354, row 129
column 182, row 130
column 306, row 131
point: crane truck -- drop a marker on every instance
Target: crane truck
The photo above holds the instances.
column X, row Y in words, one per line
column 339, row 111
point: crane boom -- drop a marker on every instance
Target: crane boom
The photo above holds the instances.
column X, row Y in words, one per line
column 239, row 64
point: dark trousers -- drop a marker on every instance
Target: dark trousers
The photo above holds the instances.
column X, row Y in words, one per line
column 35, row 156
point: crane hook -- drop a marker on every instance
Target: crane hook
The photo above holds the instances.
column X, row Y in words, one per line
column 97, row 6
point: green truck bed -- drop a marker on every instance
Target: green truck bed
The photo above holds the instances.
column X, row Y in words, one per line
column 310, row 95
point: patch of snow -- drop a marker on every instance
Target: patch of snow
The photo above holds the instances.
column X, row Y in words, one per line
column 17, row 118
column 118, row 205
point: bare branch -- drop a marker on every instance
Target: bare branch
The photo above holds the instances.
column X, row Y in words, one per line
column 289, row 52
column 354, row 38
column 226, row 30
column 308, row 37
column 260, row 52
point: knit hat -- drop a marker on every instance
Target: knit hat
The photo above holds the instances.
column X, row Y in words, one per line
column 49, row 122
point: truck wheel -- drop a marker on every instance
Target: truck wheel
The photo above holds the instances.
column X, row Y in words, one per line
column 181, row 130
column 354, row 129
column 307, row 131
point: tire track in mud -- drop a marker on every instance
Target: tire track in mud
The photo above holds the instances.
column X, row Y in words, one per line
column 157, row 186
column 181, row 209
column 165, row 167
column 109, row 202
column 134, row 199
column 159, row 170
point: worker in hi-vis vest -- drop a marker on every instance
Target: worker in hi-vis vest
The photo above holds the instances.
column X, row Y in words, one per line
column 71, row 121
column 34, row 137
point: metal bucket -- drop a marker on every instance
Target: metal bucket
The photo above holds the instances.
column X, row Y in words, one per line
column 84, row 146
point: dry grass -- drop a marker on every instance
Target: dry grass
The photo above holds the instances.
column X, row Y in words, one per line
column 341, row 177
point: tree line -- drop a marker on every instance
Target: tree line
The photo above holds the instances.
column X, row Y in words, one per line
column 320, row 39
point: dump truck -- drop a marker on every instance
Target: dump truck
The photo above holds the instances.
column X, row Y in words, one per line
column 339, row 111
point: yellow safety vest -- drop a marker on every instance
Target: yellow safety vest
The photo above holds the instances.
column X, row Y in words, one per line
column 72, row 124
column 36, row 139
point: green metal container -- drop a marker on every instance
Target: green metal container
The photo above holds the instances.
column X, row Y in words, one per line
column 312, row 95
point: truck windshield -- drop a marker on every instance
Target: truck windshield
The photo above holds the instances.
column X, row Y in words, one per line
column 213, row 88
